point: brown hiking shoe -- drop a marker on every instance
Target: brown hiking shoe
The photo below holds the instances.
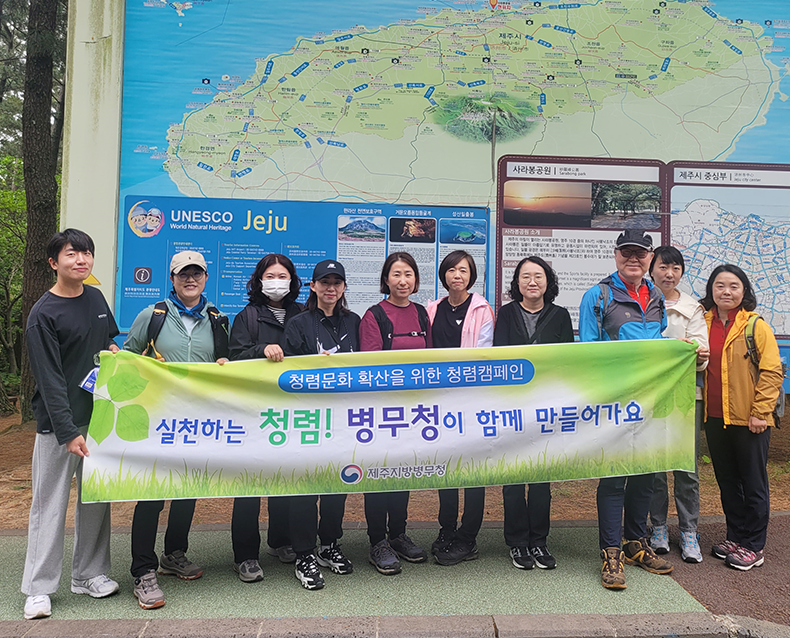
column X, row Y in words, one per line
column 612, row 574
column 640, row 553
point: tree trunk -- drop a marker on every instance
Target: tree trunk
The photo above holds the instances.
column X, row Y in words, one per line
column 6, row 407
column 39, row 169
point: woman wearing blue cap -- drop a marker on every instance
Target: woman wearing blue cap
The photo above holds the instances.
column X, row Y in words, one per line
column 325, row 327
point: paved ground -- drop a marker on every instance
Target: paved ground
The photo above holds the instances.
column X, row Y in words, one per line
column 487, row 597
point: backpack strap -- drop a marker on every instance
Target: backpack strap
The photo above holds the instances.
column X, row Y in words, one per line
column 385, row 326
column 220, row 328
column 600, row 307
column 154, row 328
column 751, row 346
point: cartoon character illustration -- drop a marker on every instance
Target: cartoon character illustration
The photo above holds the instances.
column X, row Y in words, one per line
column 154, row 221
column 145, row 222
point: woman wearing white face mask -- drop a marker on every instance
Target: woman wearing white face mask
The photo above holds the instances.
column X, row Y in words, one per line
column 258, row 332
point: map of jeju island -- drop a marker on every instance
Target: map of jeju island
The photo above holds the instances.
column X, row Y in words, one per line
column 409, row 112
column 708, row 235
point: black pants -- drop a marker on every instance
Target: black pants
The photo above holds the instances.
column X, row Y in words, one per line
column 472, row 519
column 527, row 520
column 293, row 520
column 739, row 461
column 386, row 512
column 144, row 526
column 623, row 504
column 332, row 508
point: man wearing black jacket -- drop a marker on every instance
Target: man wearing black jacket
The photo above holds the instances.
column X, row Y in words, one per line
column 66, row 329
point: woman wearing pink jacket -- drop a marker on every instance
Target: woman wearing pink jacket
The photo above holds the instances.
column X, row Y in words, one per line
column 460, row 320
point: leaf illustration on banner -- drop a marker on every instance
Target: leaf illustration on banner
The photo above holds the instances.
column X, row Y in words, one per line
column 684, row 400
column 126, row 383
column 102, row 420
column 664, row 405
column 178, row 371
column 132, row 423
column 105, row 372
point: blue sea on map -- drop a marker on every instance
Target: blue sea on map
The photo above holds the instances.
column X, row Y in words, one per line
column 472, row 231
column 169, row 55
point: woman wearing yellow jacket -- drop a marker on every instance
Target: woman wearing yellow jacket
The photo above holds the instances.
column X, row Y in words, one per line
column 740, row 399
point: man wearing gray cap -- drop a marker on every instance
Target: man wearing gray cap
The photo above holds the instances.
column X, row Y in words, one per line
column 625, row 306
column 186, row 327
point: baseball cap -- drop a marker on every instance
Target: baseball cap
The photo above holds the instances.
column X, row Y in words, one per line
column 634, row 237
column 186, row 258
column 328, row 267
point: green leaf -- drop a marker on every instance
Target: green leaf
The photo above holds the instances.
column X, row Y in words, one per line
column 132, row 423
column 664, row 405
column 101, row 420
column 705, row 458
column 126, row 383
column 178, row 370
column 105, row 372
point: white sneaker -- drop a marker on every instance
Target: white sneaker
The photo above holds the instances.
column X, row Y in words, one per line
column 659, row 539
column 37, row 607
column 689, row 547
column 97, row 587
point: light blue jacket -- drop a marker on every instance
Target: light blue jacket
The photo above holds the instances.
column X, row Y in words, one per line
column 617, row 316
column 174, row 343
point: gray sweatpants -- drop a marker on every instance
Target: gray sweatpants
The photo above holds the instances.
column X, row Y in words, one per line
column 53, row 469
column 686, row 490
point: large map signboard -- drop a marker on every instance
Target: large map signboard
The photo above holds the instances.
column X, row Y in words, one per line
column 411, row 104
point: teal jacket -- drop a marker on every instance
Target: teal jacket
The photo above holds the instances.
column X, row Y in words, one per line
column 174, row 343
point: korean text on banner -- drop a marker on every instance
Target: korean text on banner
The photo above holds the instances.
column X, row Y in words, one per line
column 399, row 420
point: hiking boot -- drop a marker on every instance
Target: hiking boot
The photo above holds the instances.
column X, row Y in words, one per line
column 744, row 559
column 249, row 571
column 308, row 573
column 285, row 553
column 612, row 572
column 522, row 558
column 37, row 607
column 147, row 591
column 659, row 539
column 640, row 553
column 689, row 547
column 97, row 587
column 457, row 552
column 443, row 540
column 177, row 564
column 404, row 547
column 384, row 559
column 331, row 556
column 543, row 557
column 721, row 550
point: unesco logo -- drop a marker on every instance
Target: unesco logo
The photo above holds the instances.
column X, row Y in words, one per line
column 351, row 474
column 142, row 275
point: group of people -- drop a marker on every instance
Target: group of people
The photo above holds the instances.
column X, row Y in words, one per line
column 737, row 359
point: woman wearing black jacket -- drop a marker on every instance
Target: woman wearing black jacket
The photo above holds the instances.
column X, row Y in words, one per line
column 326, row 327
column 258, row 332
column 531, row 318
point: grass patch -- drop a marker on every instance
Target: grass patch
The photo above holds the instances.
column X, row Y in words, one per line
column 200, row 482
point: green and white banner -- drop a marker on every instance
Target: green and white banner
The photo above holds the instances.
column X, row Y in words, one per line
column 399, row 420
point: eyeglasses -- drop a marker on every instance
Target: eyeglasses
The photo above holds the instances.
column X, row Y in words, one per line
column 639, row 253
column 197, row 275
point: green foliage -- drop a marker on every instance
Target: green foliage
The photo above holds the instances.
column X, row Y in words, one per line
column 126, row 384
column 101, row 419
column 132, row 424
column 13, row 211
column 475, row 120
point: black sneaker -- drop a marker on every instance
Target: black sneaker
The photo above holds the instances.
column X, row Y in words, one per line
column 522, row 558
column 407, row 550
column 543, row 557
column 308, row 573
column 457, row 552
column 331, row 556
column 443, row 540
column 384, row 559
